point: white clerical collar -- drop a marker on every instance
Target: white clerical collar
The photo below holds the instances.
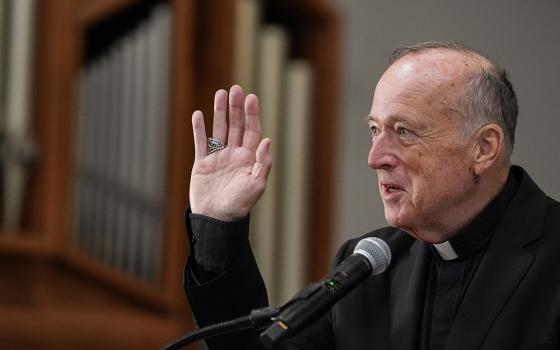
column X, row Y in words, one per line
column 446, row 251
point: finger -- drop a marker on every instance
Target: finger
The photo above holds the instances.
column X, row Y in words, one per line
column 235, row 135
column 219, row 128
column 252, row 134
column 199, row 135
column 263, row 163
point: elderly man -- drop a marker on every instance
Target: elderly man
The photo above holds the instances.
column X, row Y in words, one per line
column 475, row 242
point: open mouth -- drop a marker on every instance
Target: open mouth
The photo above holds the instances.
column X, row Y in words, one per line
column 392, row 188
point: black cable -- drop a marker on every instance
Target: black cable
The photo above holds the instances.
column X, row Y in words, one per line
column 256, row 318
column 210, row 331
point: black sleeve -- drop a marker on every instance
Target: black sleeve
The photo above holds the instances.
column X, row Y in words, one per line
column 222, row 282
column 214, row 244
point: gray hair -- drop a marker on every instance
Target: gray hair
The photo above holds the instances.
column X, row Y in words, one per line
column 487, row 95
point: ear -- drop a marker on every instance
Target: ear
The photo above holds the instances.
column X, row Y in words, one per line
column 489, row 143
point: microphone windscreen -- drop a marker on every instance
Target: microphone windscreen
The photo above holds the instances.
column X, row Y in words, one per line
column 376, row 251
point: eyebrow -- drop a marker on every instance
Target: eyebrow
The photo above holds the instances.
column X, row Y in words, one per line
column 397, row 118
column 394, row 118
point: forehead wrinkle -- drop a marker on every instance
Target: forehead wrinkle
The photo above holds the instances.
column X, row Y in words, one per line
column 395, row 118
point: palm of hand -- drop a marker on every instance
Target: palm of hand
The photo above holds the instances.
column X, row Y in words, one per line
column 226, row 184
column 224, row 181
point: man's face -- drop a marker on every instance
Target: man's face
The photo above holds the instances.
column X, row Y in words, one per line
column 422, row 162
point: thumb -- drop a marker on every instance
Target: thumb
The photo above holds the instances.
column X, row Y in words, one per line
column 263, row 163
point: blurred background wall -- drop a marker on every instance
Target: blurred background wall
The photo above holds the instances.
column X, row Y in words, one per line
column 519, row 35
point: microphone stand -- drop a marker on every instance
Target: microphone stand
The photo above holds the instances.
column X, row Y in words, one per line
column 257, row 318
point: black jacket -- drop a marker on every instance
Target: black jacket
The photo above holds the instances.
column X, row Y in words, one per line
column 513, row 301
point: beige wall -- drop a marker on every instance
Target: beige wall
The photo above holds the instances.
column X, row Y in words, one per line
column 522, row 36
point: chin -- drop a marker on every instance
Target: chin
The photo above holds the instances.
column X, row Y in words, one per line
column 397, row 220
column 402, row 222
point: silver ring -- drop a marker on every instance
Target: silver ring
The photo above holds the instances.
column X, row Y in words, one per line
column 214, row 146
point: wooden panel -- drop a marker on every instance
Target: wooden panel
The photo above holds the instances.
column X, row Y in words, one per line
column 315, row 30
column 181, row 153
column 137, row 291
column 24, row 244
column 213, row 57
column 322, row 47
column 90, row 11
column 47, row 306
column 83, row 329
column 56, row 63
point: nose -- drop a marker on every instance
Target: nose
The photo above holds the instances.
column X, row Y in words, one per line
column 382, row 154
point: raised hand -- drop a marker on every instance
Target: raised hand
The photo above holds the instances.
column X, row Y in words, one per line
column 227, row 183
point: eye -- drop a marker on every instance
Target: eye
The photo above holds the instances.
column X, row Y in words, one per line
column 374, row 130
column 406, row 135
column 403, row 131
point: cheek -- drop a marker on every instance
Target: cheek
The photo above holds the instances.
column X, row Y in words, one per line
column 421, row 168
column 437, row 176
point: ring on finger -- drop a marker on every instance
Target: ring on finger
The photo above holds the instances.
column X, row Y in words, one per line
column 214, row 145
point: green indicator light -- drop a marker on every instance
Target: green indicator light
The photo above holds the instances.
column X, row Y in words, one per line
column 331, row 283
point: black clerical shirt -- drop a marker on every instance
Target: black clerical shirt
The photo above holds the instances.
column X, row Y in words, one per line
column 214, row 246
column 450, row 277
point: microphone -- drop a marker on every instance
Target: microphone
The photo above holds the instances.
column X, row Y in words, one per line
column 371, row 257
